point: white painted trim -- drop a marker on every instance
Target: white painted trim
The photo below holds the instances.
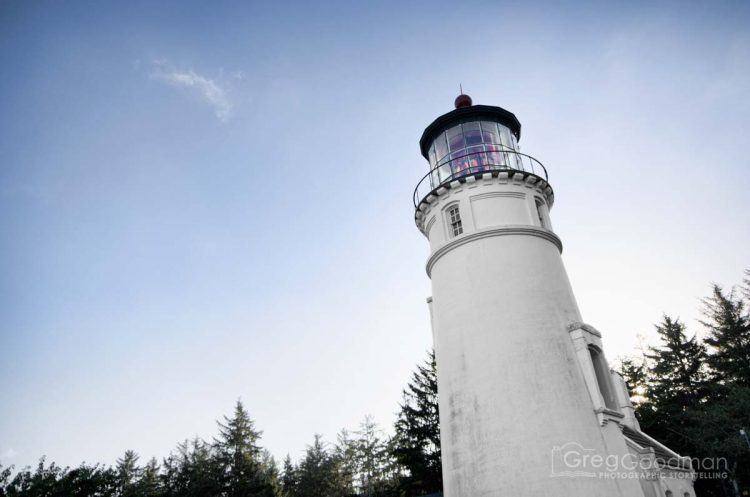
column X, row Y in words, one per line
column 490, row 232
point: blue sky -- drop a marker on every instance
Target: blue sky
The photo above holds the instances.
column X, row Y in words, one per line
column 210, row 201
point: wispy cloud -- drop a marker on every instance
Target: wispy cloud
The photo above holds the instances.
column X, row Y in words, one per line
column 209, row 90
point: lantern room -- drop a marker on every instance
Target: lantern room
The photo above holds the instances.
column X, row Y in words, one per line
column 474, row 139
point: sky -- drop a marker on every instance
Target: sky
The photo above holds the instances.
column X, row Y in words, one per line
column 205, row 202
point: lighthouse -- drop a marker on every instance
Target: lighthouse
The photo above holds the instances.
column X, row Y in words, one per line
column 528, row 403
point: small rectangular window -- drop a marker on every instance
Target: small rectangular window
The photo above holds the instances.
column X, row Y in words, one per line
column 542, row 213
column 539, row 213
column 455, row 221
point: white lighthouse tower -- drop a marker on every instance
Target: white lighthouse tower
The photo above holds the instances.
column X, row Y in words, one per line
column 527, row 398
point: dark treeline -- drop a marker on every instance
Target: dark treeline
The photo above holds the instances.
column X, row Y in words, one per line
column 693, row 394
column 362, row 463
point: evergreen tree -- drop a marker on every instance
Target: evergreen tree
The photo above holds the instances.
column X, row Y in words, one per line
column 728, row 325
column 416, row 446
column 679, row 399
column 89, row 481
column 288, row 478
column 677, row 381
column 193, row 471
column 318, row 473
column 677, row 376
column 128, row 473
column 374, row 476
column 715, row 428
column 243, row 472
column 42, row 482
column 4, row 479
column 345, row 455
column 635, row 373
column 269, row 475
column 54, row 481
column 149, row 484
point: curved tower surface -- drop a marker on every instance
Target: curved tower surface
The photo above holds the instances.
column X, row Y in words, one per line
column 525, row 390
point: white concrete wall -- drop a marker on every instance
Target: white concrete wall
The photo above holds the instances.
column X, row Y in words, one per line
column 682, row 486
column 511, row 386
column 623, row 396
column 658, row 478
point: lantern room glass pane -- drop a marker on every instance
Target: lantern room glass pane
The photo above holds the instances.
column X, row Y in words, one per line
column 472, row 133
column 459, row 162
column 444, row 172
column 505, row 137
column 494, row 156
column 489, row 132
column 518, row 158
column 441, row 147
column 455, row 138
column 477, row 158
column 515, row 143
column 431, row 155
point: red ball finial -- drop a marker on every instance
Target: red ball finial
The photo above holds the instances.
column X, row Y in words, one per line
column 462, row 101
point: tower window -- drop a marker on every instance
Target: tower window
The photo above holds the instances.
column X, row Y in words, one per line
column 539, row 213
column 603, row 378
column 456, row 226
column 542, row 213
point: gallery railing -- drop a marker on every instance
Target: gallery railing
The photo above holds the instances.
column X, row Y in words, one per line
column 476, row 163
